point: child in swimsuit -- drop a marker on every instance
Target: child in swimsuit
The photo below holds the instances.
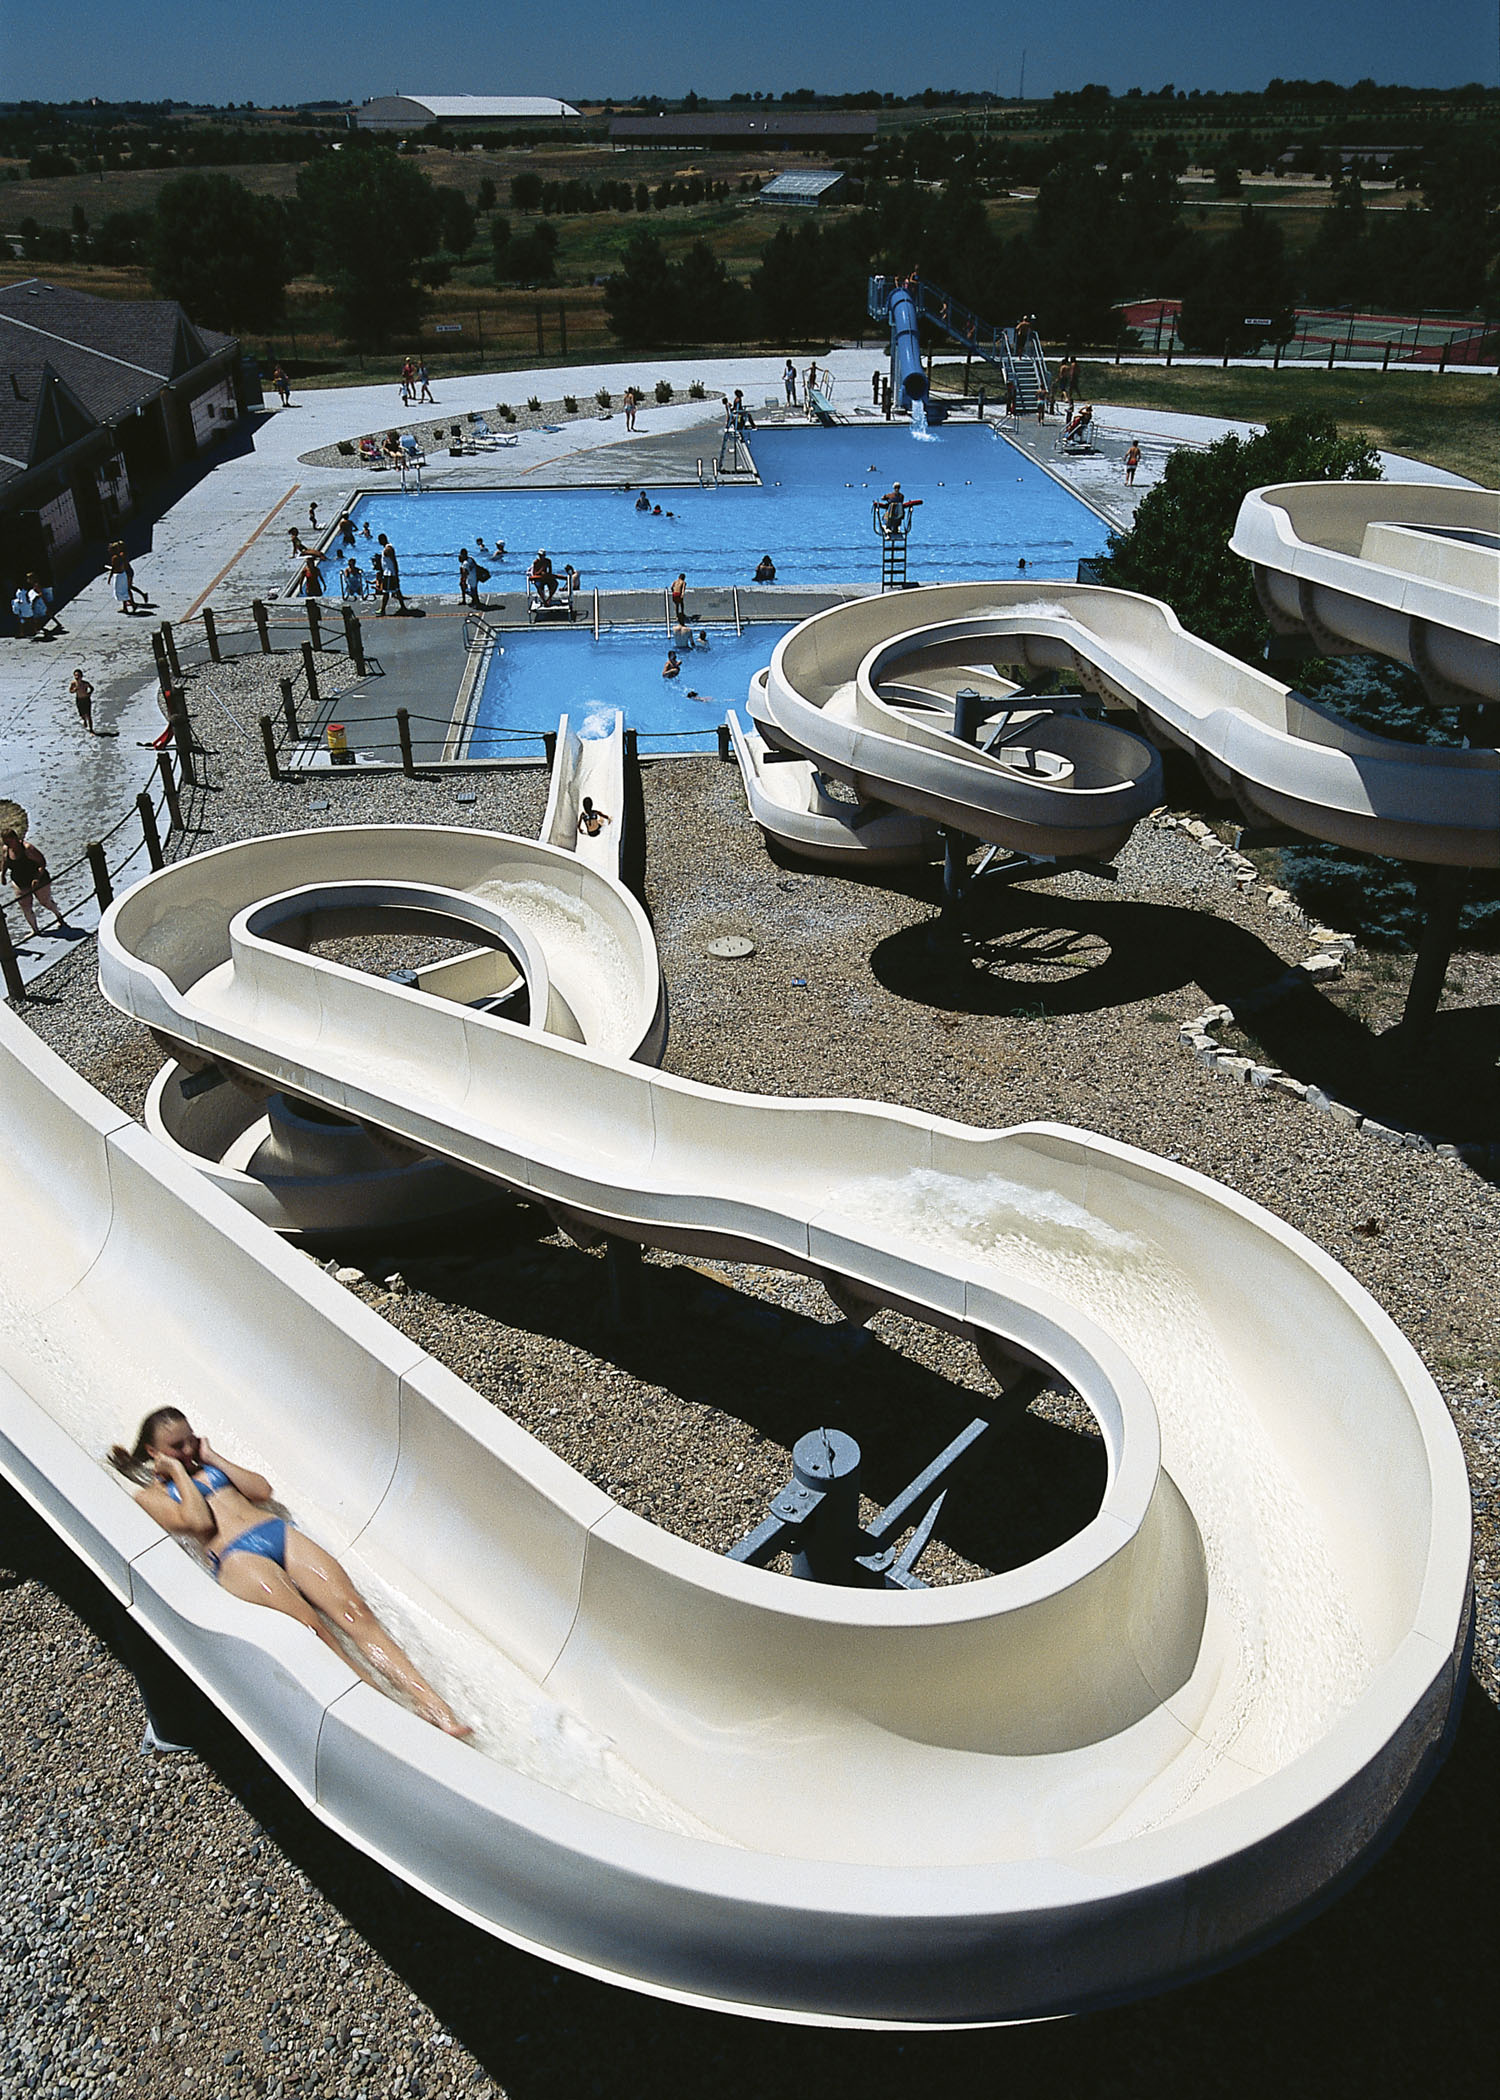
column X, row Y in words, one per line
column 193, row 1492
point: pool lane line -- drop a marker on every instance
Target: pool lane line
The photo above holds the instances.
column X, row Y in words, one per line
column 200, row 601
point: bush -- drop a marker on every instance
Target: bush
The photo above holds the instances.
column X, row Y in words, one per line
column 663, row 391
column 604, row 398
column 506, row 413
column 533, row 404
column 570, row 404
column 697, row 391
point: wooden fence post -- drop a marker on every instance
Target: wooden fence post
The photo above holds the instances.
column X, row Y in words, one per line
column 314, row 621
column 289, row 711
column 268, row 738
column 262, row 627
column 354, row 640
column 169, row 790
column 169, row 643
column 10, row 967
column 403, row 733
column 309, row 665
column 149, row 832
column 211, row 634
column 104, row 889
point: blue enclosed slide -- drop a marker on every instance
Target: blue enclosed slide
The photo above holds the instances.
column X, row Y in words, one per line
column 908, row 379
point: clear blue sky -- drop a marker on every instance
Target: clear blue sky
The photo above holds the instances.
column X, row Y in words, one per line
column 270, row 51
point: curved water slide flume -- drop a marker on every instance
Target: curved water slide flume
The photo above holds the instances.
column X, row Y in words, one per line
column 1119, row 1765
column 1406, row 570
column 838, row 691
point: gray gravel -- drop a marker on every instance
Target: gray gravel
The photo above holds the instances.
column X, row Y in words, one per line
column 182, row 1925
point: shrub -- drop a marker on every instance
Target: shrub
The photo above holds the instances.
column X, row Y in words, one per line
column 533, row 404
column 604, row 398
column 663, row 391
column 570, row 404
column 697, row 391
column 506, row 413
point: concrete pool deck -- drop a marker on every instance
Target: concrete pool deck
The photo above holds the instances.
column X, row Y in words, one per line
column 224, row 541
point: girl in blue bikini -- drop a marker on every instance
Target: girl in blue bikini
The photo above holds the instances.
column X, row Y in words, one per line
column 264, row 1560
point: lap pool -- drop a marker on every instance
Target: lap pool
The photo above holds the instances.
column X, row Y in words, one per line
column 533, row 677
column 986, row 508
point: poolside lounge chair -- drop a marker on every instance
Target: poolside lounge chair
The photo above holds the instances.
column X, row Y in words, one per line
column 560, row 607
column 370, row 455
column 491, row 440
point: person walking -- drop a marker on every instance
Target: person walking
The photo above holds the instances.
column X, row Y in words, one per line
column 875, row 389
column 468, row 580
column 390, row 579
column 426, row 390
column 1132, row 461
column 678, row 596
column 25, row 867
column 310, row 580
column 83, row 700
column 283, row 385
column 789, row 383
column 631, row 400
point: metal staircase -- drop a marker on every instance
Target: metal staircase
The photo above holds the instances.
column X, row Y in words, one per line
column 1025, row 369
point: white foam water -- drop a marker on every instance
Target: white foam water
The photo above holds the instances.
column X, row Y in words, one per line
column 1299, row 1659
column 585, row 959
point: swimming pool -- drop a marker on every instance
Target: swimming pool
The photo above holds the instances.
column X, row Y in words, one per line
column 986, row 507
column 532, row 677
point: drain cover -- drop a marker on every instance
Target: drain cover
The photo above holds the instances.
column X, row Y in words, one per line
column 732, row 945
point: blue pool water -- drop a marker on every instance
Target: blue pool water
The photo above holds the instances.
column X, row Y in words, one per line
column 985, row 506
column 535, row 676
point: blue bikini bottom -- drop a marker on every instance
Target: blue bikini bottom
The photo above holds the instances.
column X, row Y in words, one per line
column 267, row 1539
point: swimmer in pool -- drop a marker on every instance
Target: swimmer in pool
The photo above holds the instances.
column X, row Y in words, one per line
column 671, row 668
column 192, row 1491
column 643, row 501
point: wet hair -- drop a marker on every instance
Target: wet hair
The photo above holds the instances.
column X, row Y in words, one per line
column 133, row 1463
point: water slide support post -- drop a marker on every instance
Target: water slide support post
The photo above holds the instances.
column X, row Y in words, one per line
column 1444, row 892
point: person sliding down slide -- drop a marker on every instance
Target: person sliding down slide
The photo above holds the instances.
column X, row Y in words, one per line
column 192, row 1491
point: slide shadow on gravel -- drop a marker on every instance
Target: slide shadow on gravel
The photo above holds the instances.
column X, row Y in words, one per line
column 1031, row 952
column 1384, row 1993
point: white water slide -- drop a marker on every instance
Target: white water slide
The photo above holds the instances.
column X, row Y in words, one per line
column 1119, row 1765
column 865, row 692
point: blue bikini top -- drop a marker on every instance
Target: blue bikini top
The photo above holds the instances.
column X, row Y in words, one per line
column 207, row 1480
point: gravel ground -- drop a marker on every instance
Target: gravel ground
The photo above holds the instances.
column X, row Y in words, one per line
column 181, row 1925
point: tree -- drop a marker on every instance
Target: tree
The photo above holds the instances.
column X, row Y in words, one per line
column 371, row 220
column 705, row 304
column 220, row 251
column 1240, row 293
column 456, row 219
column 526, row 258
column 1178, row 546
column 486, row 197
column 526, row 192
column 637, row 295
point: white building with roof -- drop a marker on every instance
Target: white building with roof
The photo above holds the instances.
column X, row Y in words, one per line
column 459, row 112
